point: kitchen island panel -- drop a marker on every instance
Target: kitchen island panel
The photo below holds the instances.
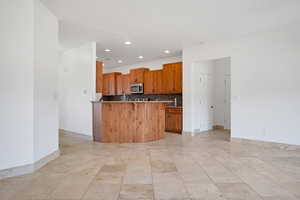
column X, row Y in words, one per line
column 130, row 122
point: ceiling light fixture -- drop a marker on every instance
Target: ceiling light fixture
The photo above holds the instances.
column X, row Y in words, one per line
column 141, row 57
column 167, row 51
column 107, row 50
column 120, row 61
column 127, row 43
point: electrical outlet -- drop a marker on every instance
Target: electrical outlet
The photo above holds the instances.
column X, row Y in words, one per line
column 84, row 91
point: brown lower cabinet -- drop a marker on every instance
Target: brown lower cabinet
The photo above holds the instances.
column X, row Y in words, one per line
column 174, row 119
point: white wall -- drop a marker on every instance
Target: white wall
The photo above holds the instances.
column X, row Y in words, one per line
column 155, row 64
column 221, row 69
column 45, row 82
column 24, row 87
column 16, row 83
column 77, row 88
column 265, row 83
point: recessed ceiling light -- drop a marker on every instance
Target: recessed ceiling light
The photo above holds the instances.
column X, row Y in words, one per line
column 120, row 61
column 167, row 51
column 127, row 43
column 107, row 50
column 141, row 57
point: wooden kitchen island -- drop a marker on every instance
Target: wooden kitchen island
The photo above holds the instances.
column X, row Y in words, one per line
column 128, row 121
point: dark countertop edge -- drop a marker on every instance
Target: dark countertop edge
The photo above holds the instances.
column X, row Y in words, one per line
column 131, row 101
column 173, row 106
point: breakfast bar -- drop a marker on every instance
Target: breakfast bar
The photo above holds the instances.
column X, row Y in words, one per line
column 128, row 121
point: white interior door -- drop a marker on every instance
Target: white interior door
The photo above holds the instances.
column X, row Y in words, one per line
column 206, row 101
column 227, row 102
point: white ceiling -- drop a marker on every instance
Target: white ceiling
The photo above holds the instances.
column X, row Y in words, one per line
column 155, row 25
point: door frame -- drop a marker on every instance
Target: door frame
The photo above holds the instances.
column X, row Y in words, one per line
column 194, row 63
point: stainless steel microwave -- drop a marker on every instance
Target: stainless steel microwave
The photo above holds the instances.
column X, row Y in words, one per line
column 136, row 88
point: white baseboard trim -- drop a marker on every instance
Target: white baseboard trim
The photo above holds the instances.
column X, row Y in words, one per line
column 30, row 168
column 83, row 136
column 266, row 144
column 197, row 132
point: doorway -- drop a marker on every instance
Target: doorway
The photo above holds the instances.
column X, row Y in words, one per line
column 212, row 95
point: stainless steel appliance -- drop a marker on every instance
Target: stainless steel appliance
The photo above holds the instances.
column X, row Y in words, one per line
column 136, row 88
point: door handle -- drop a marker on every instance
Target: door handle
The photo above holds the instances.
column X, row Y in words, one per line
column 211, row 106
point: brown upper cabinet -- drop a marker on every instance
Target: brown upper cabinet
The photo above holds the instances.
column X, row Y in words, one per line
column 149, row 82
column 153, row 82
column 137, row 75
column 110, row 83
column 123, row 84
column 99, row 76
column 119, row 85
column 165, row 81
column 172, row 78
column 126, row 83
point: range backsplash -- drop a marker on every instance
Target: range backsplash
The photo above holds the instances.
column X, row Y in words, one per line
column 150, row 97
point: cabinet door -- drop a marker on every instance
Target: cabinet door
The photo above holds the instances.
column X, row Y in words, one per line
column 170, row 122
column 174, row 120
column 137, row 75
column 119, row 84
column 168, row 79
column 157, row 82
column 99, row 77
column 177, row 77
column 149, row 82
column 105, row 88
column 111, row 84
column 126, row 83
column 178, row 122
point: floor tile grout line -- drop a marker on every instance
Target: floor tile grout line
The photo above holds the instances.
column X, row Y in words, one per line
column 186, row 147
column 180, row 178
column 150, row 159
column 87, row 189
column 253, row 189
column 243, row 181
column 122, row 181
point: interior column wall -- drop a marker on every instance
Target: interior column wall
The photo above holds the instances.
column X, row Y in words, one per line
column 28, row 117
column 16, row 82
column 45, row 82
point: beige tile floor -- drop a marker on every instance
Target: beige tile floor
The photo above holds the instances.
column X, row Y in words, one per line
column 202, row 167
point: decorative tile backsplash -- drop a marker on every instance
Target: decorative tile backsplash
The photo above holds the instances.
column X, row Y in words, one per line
column 147, row 97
